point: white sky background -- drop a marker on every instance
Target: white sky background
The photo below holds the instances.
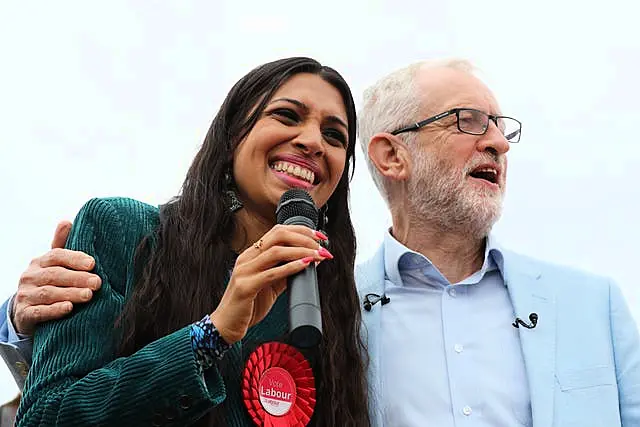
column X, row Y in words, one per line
column 115, row 99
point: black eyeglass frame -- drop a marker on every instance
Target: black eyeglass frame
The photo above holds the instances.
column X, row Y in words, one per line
column 456, row 111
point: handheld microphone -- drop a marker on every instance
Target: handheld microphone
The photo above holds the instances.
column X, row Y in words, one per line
column 296, row 207
column 533, row 317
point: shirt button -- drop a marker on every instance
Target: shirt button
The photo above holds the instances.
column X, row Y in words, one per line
column 452, row 292
column 458, row 348
column 467, row 410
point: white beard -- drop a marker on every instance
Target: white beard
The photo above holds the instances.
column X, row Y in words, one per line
column 443, row 196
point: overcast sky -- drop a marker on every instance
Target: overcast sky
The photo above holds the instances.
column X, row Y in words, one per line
column 115, row 99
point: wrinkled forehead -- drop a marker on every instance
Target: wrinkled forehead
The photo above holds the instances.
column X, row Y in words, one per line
column 441, row 89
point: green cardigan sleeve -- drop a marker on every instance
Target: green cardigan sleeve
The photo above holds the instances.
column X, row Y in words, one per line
column 76, row 380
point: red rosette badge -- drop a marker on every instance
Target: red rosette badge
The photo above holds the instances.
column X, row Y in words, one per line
column 278, row 387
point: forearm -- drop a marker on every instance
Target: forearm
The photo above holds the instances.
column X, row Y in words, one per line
column 163, row 377
column 15, row 349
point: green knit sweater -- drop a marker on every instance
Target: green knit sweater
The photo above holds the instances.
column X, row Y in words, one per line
column 76, row 379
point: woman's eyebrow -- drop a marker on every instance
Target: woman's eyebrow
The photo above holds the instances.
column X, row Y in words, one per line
column 305, row 108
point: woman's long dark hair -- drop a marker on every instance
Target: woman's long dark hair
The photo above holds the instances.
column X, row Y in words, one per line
column 183, row 268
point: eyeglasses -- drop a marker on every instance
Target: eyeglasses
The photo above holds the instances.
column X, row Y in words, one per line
column 473, row 122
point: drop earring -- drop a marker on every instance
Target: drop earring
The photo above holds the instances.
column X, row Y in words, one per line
column 233, row 202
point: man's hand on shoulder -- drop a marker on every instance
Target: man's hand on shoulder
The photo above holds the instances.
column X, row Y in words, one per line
column 52, row 283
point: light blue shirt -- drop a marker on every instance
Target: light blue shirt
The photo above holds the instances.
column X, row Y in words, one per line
column 15, row 349
column 450, row 355
column 8, row 332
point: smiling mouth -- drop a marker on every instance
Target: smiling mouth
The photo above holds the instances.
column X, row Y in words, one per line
column 296, row 171
column 488, row 174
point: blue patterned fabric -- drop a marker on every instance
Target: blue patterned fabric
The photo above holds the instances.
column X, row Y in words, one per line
column 207, row 343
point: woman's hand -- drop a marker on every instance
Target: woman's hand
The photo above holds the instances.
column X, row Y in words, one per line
column 260, row 274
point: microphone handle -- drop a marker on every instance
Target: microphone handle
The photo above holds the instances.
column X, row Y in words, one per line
column 305, row 316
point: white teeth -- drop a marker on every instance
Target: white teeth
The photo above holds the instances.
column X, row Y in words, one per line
column 295, row 170
column 491, row 170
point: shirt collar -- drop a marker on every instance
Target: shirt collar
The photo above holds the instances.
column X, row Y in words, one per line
column 397, row 258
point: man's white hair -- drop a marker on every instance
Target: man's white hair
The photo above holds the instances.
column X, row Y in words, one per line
column 393, row 102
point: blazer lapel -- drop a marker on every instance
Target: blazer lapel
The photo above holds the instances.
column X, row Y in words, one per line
column 530, row 294
column 370, row 279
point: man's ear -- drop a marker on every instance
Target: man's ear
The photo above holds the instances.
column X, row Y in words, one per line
column 390, row 156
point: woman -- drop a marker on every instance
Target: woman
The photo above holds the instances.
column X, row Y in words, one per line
column 214, row 251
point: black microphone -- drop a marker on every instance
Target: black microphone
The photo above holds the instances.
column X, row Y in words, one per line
column 372, row 299
column 533, row 317
column 296, row 207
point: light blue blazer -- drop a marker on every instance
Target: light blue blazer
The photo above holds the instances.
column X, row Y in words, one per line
column 582, row 359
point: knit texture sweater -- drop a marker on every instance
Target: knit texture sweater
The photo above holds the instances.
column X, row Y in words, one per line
column 76, row 379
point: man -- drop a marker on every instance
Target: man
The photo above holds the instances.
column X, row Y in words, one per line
column 444, row 350
column 441, row 298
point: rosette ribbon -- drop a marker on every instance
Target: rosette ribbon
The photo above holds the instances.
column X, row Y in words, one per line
column 278, row 386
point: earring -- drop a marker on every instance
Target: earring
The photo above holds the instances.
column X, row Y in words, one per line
column 323, row 223
column 232, row 200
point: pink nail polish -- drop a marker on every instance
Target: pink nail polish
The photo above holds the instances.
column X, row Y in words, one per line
column 307, row 260
column 325, row 253
column 320, row 235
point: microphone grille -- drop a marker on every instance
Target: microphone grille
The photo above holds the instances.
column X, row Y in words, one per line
column 296, row 202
